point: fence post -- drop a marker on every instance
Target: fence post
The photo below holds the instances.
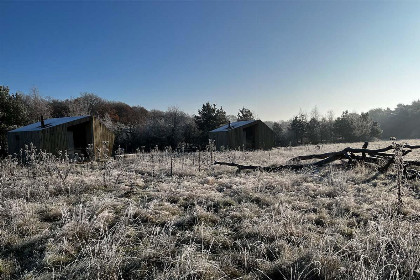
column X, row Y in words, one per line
column 171, row 165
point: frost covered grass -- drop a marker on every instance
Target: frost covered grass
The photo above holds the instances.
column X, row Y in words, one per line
column 130, row 219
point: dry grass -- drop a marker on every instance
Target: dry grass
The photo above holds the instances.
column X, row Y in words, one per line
column 128, row 219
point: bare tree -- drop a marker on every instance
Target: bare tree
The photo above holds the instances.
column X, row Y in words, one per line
column 36, row 105
column 86, row 104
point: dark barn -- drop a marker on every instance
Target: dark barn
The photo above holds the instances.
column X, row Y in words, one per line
column 71, row 134
column 251, row 135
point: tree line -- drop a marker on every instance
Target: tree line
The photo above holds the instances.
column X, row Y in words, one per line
column 316, row 129
column 135, row 126
column 403, row 122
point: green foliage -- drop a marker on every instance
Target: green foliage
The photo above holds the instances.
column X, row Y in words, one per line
column 209, row 118
column 403, row 122
column 298, row 129
column 12, row 114
column 314, row 131
column 344, row 126
column 352, row 127
column 349, row 127
column 59, row 109
column 245, row 114
column 280, row 137
column 326, row 132
column 375, row 130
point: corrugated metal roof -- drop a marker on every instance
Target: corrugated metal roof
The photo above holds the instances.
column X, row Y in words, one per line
column 48, row 123
column 232, row 126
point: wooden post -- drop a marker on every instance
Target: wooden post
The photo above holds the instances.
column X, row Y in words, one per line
column 199, row 160
column 171, row 166
column 211, row 153
column 365, row 145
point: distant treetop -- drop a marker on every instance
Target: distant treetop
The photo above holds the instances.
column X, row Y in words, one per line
column 245, row 115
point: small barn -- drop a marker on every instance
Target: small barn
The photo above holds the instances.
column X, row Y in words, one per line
column 251, row 135
column 71, row 134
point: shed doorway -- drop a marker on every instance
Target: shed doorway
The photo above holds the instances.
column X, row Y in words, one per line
column 250, row 137
column 78, row 138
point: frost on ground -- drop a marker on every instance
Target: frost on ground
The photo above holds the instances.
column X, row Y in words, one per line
column 129, row 219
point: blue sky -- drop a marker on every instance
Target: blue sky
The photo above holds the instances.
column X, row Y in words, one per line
column 273, row 57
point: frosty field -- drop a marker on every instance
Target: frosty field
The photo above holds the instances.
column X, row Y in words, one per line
column 129, row 219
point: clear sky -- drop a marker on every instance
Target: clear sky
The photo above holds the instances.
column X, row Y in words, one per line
column 270, row 56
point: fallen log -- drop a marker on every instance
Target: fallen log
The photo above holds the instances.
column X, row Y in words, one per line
column 377, row 152
column 368, row 151
column 412, row 163
column 261, row 168
column 377, row 156
column 413, row 147
column 316, row 156
column 364, row 151
column 375, row 160
column 272, row 168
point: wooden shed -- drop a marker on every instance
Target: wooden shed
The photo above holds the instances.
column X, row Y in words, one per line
column 251, row 135
column 71, row 134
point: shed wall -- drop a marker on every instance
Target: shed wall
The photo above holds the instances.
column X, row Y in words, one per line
column 101, row 134
column 56, row 138
column 263, row 137
column 18, row 140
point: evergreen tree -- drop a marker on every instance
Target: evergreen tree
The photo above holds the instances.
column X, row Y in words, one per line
column 245, row 114
column 326, row 130
column 12, row 115
column 209, row 118
column 314, row 131
column 343, row 128
column 352, row 127
column 375, row 130
column 298, row 129
column 279, row 135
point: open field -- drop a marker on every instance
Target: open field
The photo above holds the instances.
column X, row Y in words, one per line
column 129, row 219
